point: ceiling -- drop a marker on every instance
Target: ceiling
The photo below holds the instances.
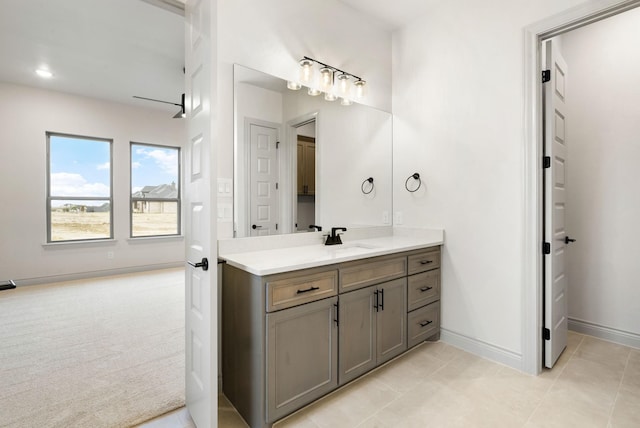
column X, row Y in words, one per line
column 392, row 13
column 115, row 49
column 102, row 49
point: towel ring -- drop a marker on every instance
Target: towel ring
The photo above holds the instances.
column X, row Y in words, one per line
column 370, row 181
column 415, row 176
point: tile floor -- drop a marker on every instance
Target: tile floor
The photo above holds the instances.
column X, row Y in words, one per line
column 594, row 384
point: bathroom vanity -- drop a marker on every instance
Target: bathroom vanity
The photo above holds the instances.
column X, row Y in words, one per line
column 299, row 322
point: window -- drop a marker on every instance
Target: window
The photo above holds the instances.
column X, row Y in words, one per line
column 79, row 191
column 155, row 190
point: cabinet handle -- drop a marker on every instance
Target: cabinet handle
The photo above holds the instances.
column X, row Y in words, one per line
column 376, row 304
column 337, row 318
column 423, row 289
column 425, row 323
column 382, row 300
column 426, row 262
column 308, row 289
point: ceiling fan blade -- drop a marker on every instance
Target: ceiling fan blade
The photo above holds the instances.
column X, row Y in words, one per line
column 178, row 115
column 157, row 101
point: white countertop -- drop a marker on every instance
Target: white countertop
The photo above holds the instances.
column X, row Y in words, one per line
column 278, row 260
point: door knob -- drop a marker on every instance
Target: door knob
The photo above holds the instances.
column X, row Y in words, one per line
column 255, row 226
column 568, row 240
column 204, row 264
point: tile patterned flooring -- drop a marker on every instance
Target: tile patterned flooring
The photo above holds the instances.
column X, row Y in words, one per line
column 594, row 384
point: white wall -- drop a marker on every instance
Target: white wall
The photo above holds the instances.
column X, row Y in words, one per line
column 28, row 113
column 458, row 95
column 273, row 36
column 603, row 134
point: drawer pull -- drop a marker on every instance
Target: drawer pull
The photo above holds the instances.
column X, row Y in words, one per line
column 308, row 289
column 425, row 323
column 423, row 289
column 425, row 262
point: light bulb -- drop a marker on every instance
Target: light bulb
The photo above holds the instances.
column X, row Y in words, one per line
column 294, row 86
column 359, row 84
column 330, row 97
column 44, row 73
column 326, row 78
column 314, row 92
column 346, row 102
column 306, row 71
column 344, row 84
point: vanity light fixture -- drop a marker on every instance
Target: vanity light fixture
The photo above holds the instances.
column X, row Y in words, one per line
column 359, row 84
column 332, row 81
column 294, row 86
column 346, row 102
column 306, row 71
column 328, row 96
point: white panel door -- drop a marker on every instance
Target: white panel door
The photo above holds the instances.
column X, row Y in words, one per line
column 200, row 218
column 263, row 179
column 555, row 276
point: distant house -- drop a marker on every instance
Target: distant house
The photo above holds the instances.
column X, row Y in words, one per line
column 155, row 204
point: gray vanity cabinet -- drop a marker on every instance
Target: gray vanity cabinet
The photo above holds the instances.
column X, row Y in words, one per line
column 302, row 356
column 372, row 327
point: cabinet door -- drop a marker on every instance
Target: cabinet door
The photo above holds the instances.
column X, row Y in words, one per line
column 357, row 334
column 310, row 168
column 302, row 354
column 301, row 168
column 391, row 319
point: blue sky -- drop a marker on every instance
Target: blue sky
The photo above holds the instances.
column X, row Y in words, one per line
column 81, row 167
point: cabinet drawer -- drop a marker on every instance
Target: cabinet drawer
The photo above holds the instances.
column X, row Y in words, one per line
column 296, row 290
column 423, row 323
column 380, row 269
column 424, row 288
column 424, row 261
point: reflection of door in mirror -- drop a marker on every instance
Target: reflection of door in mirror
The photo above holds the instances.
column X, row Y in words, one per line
column 306, row 176
column 263, row 179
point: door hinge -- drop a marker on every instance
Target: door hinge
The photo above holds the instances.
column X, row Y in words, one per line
column 546, row 76
column 546, row 334
column 546, row 248
column 276, row 186
column 546, row 162
column 277, row 144
column 276, row 226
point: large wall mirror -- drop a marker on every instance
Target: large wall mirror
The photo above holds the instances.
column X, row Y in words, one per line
column 303, row 161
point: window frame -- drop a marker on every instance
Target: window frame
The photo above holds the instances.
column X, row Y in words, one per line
column 50, row 198
column 178, row 199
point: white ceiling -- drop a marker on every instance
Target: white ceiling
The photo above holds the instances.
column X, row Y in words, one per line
column 114, row 49
column 392, row 13
column 106, row 49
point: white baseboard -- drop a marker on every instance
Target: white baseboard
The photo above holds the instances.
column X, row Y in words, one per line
column 607, row 333
column 95, row 274
column 482, row 349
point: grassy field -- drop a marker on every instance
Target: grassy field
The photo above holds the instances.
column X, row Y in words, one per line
column 67, row 226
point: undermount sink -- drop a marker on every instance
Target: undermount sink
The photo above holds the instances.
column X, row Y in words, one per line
column 355, row 248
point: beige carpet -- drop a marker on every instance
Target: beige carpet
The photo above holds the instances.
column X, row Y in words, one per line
column 106, row 352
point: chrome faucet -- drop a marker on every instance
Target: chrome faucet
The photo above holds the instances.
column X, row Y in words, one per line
column 334, row 238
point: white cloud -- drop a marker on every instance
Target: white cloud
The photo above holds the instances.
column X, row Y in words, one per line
column 69, row 184
column 166, row 160
column 105, row 165
column 135, row 165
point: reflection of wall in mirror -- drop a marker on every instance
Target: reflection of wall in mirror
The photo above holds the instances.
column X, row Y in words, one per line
column 306, row 204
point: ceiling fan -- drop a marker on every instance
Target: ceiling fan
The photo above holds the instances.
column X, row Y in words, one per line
column 180, row 114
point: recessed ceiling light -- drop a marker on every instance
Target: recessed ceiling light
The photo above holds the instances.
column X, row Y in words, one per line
column 44, row 73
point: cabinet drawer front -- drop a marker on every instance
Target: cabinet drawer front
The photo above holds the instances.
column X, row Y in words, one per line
column 305, row 288
column 424, row 261
column 373, row 271
column 423, row 323
column 424, row 288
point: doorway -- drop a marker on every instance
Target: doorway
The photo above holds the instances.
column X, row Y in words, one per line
column 534, row 218
column 305, row 171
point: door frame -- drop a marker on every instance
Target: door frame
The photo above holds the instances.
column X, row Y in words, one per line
column 290, row 206
column 532, row 274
